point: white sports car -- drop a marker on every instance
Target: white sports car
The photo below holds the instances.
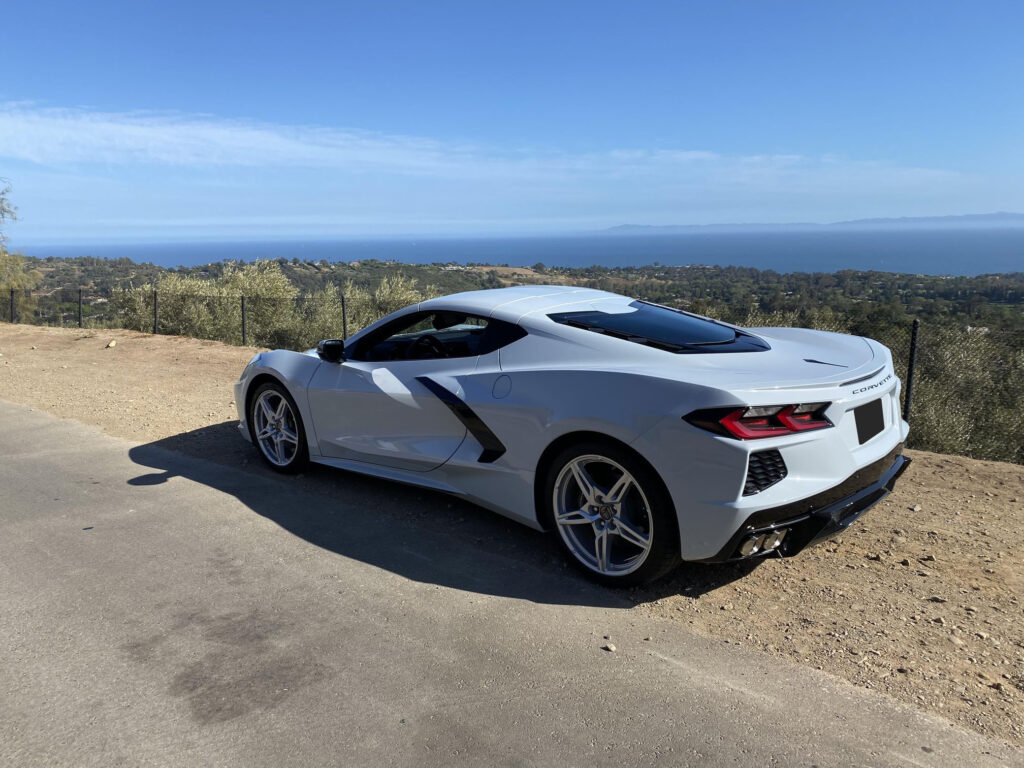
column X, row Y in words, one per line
column 641, row 435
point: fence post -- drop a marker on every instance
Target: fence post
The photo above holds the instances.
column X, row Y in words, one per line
column 156, row 313
column 911, row 362
column 79, row 307
column 344, row 318
column 12, row 305
column 245, row 335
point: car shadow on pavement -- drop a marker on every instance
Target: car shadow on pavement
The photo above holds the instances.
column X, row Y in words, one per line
column 419, row 534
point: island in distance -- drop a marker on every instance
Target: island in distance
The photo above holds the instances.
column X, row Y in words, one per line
column 999, row 220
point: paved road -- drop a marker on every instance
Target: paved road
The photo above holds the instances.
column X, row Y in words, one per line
column 156, row 609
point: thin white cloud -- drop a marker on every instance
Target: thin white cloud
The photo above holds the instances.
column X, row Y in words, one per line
column 52, row 136
column 63, row 137
column 77, row 170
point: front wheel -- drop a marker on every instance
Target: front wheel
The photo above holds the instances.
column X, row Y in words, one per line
column 276, row 428
column 612, row 514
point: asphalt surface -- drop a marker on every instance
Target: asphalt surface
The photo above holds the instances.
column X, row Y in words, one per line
column 158, row 609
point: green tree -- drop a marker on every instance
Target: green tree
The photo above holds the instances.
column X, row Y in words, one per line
column 14, row 273
column 392, row 293
column 211, row 308
column 7, row 210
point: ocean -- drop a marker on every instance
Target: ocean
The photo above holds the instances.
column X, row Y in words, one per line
column 932, row 252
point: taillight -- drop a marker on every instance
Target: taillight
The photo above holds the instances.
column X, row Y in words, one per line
column 759, row 421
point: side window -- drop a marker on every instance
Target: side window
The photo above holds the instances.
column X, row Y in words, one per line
column 435, row 335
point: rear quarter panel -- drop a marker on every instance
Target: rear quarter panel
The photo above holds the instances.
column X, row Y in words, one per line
column 538, row 407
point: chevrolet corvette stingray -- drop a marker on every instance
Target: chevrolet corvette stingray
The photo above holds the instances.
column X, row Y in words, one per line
column 640, row 435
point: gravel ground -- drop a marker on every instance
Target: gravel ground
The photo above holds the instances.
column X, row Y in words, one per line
column 920, row 600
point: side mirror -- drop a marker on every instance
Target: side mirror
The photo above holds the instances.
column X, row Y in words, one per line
column 331, row 350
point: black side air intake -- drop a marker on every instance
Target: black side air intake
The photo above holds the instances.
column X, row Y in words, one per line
column 765, row 469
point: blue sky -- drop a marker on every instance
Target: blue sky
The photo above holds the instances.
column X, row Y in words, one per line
column 147, row 121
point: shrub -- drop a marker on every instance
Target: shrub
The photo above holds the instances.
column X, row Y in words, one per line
column 275, row 315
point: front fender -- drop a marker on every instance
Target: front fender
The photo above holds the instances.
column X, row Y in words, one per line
column 294, row 370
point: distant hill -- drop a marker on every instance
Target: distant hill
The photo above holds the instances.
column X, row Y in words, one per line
column 669, row 229
column 971, row 220
column 997, row 220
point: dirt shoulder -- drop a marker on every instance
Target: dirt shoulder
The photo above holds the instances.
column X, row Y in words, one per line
column 920, row 600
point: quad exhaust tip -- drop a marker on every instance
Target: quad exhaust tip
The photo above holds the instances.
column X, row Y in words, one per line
column 765, row 542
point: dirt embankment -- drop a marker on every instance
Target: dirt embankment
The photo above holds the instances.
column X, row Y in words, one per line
column 921, row 599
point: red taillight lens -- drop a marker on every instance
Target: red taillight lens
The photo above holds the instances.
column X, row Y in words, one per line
column 802, row 418
column 762, row 421
column 752, row 423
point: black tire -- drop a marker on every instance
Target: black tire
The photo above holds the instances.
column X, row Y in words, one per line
column 646, row 508
column 290, row 460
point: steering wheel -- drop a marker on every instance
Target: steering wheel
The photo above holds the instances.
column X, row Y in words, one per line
column 426, row 342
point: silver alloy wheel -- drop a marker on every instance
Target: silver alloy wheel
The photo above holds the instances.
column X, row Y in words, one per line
column 276, row 430
column 603, row 515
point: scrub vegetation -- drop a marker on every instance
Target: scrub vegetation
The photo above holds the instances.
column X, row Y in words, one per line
column 276, row 315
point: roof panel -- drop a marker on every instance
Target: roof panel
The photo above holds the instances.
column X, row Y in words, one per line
column 512, row 303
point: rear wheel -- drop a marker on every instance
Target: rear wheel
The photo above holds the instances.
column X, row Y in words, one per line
column 612, row 514
column 276, row 428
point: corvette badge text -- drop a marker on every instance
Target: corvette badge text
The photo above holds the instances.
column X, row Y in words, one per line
column 869, row 387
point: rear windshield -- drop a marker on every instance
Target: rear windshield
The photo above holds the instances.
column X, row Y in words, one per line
column 653, row 325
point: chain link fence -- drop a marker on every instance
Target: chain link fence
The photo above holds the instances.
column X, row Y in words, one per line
column 968, row 383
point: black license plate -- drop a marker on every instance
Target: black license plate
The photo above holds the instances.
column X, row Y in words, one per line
column 870, row 420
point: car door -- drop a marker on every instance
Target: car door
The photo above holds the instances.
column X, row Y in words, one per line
column 381, row 411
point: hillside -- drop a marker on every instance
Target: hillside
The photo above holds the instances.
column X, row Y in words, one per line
column 864, row 301
column 970, row 350
column 919, row 600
